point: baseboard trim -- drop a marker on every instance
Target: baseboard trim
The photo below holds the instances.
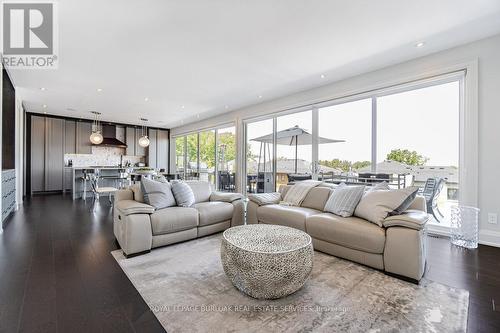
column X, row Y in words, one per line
column 486, row 237
column 489, row 237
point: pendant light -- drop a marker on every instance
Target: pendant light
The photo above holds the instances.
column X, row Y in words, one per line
column 96, row 136
column 144, row 140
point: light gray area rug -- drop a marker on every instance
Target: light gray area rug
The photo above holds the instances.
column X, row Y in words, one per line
column 186, row 288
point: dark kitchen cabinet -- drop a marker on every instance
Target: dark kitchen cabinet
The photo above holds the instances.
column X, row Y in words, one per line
column 162, row 150
column 83, row 131
column 47, row 154
column 152, row 160
column 130, row 140
column 69, row 137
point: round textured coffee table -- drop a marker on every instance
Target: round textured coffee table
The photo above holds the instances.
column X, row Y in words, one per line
column 266, row 261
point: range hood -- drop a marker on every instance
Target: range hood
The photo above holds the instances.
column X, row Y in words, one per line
column 109, row 137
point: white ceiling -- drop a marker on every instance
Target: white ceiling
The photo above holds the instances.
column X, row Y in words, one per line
column 196, row 58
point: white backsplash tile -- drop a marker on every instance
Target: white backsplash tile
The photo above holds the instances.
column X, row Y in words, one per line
column 105, row 156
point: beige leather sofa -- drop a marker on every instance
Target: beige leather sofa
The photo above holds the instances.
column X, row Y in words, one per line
column 398, row 248
column 138, row 227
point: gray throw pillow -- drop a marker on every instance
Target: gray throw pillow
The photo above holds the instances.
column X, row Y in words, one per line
column 344, row 199
column 375, row 206
column 183, row 194
column 157, row 194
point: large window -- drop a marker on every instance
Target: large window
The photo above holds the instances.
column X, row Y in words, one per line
column 259, row 157
column 226, row 157
column 192, row 171
column 208, row 155
column 405, row 136
column 180, row 155
column 293, row 149
column 345, row 136
column 419, row 130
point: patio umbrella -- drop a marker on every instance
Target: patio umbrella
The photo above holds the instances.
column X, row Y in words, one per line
column 293, row 136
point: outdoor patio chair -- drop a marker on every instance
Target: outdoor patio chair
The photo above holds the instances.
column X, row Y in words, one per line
column 432, row 190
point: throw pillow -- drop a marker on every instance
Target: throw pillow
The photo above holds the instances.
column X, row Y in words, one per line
column 183, row 194
column 344, row 199
column 157, row 194
column 384, row 186
column 375, row 206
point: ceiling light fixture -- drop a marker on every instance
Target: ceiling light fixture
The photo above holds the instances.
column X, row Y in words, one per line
column 322, row 76
column 99, row 89
column 44, row 106
column 260, row 96
column 420, row 44
column 198, row 116
column 96, row 136
column 226, row 107
column 146, row 99
column 144, row 140
column 42, row 89
column 182, row 106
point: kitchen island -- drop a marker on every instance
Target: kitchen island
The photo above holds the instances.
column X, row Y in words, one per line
column 114, row 176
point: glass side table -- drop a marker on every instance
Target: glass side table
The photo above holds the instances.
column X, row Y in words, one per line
column 464, row 226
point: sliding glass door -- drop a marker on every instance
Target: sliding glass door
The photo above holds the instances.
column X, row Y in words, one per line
column 405, row 136
column 207, row 156
column 345, row 136
column 226, row 159
column 418, row 135
column 293, row 148
column 260, row 156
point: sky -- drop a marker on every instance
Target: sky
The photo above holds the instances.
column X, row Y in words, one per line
column 425, row 120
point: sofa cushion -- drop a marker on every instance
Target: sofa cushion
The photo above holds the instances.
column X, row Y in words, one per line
column 290, row 216
column 128, row 207
column 214, row 211
column 316, row 198
column 375, row 206
column 157, row 194
column 344, row 199
column 201, row 190
column 184, row 196
column 351, row 232
column 173, row 219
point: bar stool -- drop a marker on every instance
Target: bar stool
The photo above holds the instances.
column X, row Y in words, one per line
column 97, row 191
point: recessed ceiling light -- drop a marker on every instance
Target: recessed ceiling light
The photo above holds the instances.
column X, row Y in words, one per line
column 146, row 99
column 43, row 89
column 260, row 96
column 420, row 44
column 45, row 112
column 226, row 107
column 198, row 116
column 99, row 89
column 182, row 106
column 322, row 76
column 44, row 106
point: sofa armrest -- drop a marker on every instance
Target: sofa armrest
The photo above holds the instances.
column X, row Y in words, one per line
column 123, row 195
column 225, row 196
column 419, row 204
column 128, row 207
column 262, row 199
column 412, row 218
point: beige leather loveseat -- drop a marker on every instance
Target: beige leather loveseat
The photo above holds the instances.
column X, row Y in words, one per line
column 138, row 227
column 399, row 247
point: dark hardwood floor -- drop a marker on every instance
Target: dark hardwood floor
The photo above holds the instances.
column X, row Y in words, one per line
column 57, row 273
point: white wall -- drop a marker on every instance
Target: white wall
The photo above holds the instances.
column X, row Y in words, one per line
column 486, row 52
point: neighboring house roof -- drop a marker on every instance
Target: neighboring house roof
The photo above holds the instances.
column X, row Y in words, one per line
column 420, row 173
